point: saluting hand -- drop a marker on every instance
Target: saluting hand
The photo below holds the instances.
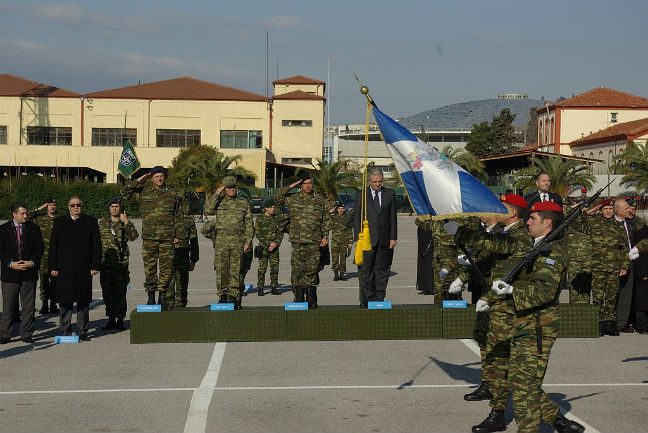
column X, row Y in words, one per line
column 294, row 184
column 143, row 178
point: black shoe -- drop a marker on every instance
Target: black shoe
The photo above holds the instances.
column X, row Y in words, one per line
column 164, row 302
column 4, row 340
column 311, row 297
column 627, row 329
column 495, row 421
column 335, row 278
column 110, row 324
column 119, row 324
column 301, row 291
column 237, row 303
column 602, row 329
column 44, row 310
column 564, row 425
column 481, row 393
column 27, row 340
column 342, row 277
column 84, row 337
column 260, row 291
column 16, row 319
column 151, row 298
column 274, row 291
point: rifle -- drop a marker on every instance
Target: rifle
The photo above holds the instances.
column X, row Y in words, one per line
column 540, row 246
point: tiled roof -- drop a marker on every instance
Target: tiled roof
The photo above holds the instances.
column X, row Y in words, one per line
column 183, row 88
column 10, row 85
column 603, row 97
column 298, row 94
column 627, row 129
column 298, row 79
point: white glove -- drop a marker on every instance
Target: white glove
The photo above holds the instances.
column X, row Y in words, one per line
column 482, row 306
column 501, row 288
column 456, row 286
column 443, row 273
column 634, row 253
column 462, row 260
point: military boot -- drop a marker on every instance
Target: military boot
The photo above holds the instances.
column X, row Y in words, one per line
column 164, row 303
column 564, row 425
column 300, row 294
column 223, row 299
column 481, row 393
column 151, row 298
column 342, row 277
column 110, row 324
column 237, row 302
column 336, row 277
column 53, row 309
column 495, row 421
column 613, row 331
column 260, row 291
column 274, row 291
column 311, row 297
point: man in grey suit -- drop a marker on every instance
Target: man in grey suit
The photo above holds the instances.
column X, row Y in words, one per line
column 381, row 214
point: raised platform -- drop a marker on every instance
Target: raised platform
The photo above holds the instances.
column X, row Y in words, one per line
column 330, row 322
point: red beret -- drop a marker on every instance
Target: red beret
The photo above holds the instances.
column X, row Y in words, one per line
column 514, row 199
column 583, row 189
column 545, row 205
column 607, row 202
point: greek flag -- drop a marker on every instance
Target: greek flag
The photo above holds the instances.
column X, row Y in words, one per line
column 437, row 187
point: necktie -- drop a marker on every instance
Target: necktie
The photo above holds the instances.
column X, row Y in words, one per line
column 377, row 200
column 18, row 235
column 544, row 196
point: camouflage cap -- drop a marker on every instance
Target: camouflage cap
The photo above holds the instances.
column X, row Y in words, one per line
column 268, row 203
column 229, row 181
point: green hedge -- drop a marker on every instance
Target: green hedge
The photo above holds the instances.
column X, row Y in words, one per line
column 33, row 190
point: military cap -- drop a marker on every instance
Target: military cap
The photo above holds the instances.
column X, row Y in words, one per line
column 546, row 205
column 305, row 175
column 607, row 202
column 229, row 181
column 50, row 199
column 157, row 169
column 514, row 199
column 631, row 202
column 268, row 203
column 583, row 189
column 114, row 200
column 339, row 204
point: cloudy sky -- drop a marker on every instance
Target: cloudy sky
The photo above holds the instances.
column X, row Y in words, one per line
column 414, row 55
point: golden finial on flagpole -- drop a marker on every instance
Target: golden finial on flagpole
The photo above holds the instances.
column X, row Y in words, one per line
column 364, row 90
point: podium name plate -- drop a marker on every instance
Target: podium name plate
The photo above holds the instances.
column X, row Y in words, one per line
column 149, row 308
column 455, row 304
column 296, row 306
column 61, row 339
column 379, row 305
column 226, row 306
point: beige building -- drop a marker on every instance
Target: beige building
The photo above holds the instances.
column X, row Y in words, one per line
column 65, row 134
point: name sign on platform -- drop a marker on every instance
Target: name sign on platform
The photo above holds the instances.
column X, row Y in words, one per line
column 296, row 306
column 149, row 308
column 60, row 339
column 225, row 306
column 249, row 287
column 379, row 305
column 455, row 304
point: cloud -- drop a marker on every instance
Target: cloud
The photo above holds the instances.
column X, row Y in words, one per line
column 285, row 22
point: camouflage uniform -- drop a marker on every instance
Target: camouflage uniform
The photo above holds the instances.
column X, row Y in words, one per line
column 268, row 230
column 186, row 253
column 47, row 282
column 609, row 257
column 511, row 243
column 231, row 228
column 342, row 237
column 579, row 273
column 114, row 276
column 535, row 294
column 444, row 257
column 161, row 223
column 309, row 223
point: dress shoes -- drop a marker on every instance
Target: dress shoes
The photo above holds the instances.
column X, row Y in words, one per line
column 481, row 393
column 27, row 340
column 53, row 309
column 564, row 425
column 84, row 337
column 44, row 310
column 627, row 330
column 495, row 421
column 110, row 324
column 4, row 340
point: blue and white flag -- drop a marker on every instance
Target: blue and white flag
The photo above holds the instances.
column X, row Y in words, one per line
column 437, row 187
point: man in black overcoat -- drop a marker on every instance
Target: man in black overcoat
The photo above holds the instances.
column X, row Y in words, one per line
column 640, row 294
column 21, row 250
column 74, row 257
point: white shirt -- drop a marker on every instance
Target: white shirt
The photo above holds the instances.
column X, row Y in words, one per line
column 544, row 196
column 376, row 193
column 625, row 226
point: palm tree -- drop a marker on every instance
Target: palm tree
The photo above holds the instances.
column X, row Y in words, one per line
column 465, row 159
column 564, row 174
column 634, row 164
column 329, row 178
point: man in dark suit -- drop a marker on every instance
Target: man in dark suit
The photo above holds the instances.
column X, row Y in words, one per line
column 74, row 258
column 381, row 214
column 543, row 182
column 21, row 250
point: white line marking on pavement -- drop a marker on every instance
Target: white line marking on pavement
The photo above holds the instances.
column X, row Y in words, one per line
column 470, row 344
column 201, row 399
column 304, row 387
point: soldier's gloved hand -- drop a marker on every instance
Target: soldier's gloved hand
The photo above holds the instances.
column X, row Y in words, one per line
column 462, row 260
column 443, row 273
column 634, row 253
column 501, row 288
column 482, row 306
column 456, row 286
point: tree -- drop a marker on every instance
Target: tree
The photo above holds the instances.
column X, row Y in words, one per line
column 504, row 139
column 634, row 164
column 466, row 160
column 564, row 173
column 329, row 178
column 479, row 142
column 531, row 129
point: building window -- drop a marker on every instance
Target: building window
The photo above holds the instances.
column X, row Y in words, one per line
column 296, row 123
column 46, row 135
column 113, row 136
column 177, row 137
column 3, row 135
column 613, row 117
column 241, row 139
column 296, row 160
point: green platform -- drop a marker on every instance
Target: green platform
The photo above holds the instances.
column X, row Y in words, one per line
column 339, row 322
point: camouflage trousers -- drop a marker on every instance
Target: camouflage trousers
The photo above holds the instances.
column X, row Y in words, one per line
column 531, row 405
column 304, row 262
column 441, row 286
column 47, row 282
column 156, row 252
column 338, row 257
column 180, row 279
column 605, row 286
column 114, row 279
column 228, row 258
column 495, row 356
column 480, row 332
column 271, row 257
column 580, row 286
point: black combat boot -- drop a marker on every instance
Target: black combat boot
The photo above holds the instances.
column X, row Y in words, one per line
column 260, row 291
column 166, row 304
column 342, row 276
column 335, row 278
column 274, row 291
column 495, row 421
column 119, row 324
column 151, row 298
column 237, row 302
column 223, row 299
column 44, row 310
column 311, row 297
column 613, row 328
column 564, row 425
column 300, row 294
column 110, row 324
column 53, row 309
column 481, row 393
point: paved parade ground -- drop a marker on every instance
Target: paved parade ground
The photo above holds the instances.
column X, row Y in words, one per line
column 108, row 384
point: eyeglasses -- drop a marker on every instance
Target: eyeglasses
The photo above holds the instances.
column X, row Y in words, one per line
column 75, row 205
